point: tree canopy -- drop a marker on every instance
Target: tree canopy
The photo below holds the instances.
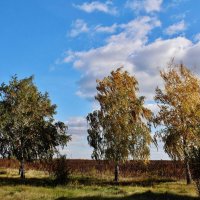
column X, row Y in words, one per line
column 119, row 130
column 179, row 113
column 27, row 127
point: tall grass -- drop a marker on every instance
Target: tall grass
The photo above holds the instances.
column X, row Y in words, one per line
column 94, row 180
column 92, row 188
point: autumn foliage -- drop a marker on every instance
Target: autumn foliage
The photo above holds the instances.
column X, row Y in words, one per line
column 119, row 131
column 179, row 113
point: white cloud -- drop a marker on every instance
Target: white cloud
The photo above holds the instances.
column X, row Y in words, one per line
column 158, row 153
column 130, row 49
column 69, row 57
column 106, row 29
column 77, row 124
column 106, row 7
column 176, row 28
column 153, row 107
column 78, row 27
column 78, row 147
column 157, row 55
column 148, row 6
column 152, row 5
column 197, row 37
column 97, row 63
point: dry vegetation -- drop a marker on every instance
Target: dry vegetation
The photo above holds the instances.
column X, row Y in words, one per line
column 166, row 169
column 93, row 181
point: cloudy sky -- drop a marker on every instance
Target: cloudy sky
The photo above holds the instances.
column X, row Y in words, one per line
column 68, row 44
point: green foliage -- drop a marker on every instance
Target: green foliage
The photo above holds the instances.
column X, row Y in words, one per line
column 95, row 134
column 118, row 131
column 61, row 170
column 27, row 128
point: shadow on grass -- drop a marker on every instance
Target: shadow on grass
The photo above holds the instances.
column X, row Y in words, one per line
column 140, row 196
column 87, row 181
column 148, row 182
column 8, row 181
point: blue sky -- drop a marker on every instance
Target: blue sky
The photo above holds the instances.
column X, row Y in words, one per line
column 67, row 45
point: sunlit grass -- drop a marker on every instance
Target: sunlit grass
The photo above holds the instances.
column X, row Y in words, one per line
column 81, row 187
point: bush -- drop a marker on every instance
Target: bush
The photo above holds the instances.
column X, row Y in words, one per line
column 195, row 166
column 61, row 170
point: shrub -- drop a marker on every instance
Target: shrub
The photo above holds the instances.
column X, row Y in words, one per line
column 195, row 166
column 61, row 170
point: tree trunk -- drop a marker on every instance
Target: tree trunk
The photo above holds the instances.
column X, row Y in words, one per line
column 187, row 171
column 186, row 162
column 22, row 170
column 116, row 173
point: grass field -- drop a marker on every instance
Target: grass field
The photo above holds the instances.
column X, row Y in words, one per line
column 39, row 186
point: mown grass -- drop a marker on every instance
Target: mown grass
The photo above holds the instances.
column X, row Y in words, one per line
column 39, row 186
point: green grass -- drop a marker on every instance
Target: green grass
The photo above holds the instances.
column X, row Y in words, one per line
column 38, row 186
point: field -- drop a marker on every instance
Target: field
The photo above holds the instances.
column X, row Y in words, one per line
column 162, row 168
column 90, row 185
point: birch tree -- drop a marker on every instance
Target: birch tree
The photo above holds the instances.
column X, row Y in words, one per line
column 179, row 114
column 119, row 130
column 27, row 128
